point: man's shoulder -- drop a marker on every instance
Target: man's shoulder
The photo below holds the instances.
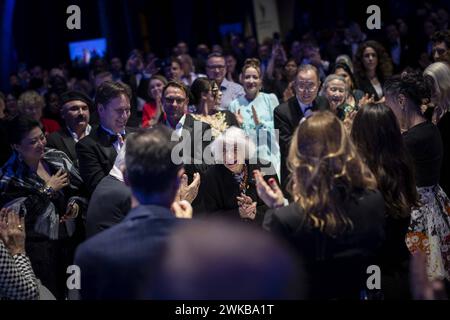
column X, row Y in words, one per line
column 287, row 105
column 232, row 85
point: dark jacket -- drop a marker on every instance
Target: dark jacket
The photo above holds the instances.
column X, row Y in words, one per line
column 116, row 262
column 336, row 267
column 109, row 204
column 62, row 140
column 96, row 156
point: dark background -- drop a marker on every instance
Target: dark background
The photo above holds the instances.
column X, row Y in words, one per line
column 35, row 31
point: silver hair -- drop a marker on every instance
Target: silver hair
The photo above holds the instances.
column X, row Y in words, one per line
column 229, row 138
column 440, row 73
column 330, row 78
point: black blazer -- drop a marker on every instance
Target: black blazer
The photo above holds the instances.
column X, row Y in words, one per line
column 366, row 86
column 96, row 156
column 287, row 116
column 336, row 267
column 62, row 140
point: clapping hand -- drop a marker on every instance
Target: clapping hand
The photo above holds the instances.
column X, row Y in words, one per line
column 182, row 209
column 270, row 193
column 247, row 207
column 188, row 192
column 12, row 231
column 239, row 118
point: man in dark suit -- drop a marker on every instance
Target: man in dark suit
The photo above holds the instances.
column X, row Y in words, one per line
column 114, row 262
column 288, row 115
column 75, row 113
column 111, row 200
column 97, row 152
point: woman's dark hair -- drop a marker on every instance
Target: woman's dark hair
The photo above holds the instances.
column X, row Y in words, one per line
column 412, row 85
column 376, row 134
column 384, row 66
column 347, row 69
column 20, row 126
column 199, row 86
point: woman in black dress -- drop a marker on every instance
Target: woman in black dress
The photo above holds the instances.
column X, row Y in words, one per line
column 336, row 221
column 429, row 230
column 377, row 137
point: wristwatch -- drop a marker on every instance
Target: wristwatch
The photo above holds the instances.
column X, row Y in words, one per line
column 48, row 191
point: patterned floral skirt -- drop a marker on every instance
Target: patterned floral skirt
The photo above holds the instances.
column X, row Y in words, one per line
column 429, row 231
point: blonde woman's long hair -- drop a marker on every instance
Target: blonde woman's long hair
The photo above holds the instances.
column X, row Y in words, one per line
column 326, row 170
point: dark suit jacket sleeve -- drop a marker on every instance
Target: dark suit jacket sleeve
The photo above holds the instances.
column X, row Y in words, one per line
column 282, row 124
column 90, row 169
column 272, row 223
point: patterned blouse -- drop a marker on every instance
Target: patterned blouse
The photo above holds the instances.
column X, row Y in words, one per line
column 17, row 280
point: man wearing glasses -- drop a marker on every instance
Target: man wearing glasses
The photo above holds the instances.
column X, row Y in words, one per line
column 216, row 70
column 288, row 115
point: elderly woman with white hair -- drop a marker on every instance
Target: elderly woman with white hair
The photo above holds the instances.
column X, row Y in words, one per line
column 439, row 74
column 228, row 186
column 336, row 90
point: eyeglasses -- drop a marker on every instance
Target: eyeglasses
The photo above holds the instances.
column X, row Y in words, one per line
column 171, row 100
column 302, row 86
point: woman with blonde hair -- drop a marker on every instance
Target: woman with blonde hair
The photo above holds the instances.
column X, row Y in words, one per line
column 439, row 73
column 336, row 221
column 255, row 113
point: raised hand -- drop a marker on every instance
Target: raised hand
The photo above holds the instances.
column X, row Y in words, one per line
column 182, row 209
column 71, row 211
column 365, row 100
column 248, row 211
column 270, row 193
column 244, row 200
column 239, row 117
column 12, row 231
column 188, row 192
column 255, row 116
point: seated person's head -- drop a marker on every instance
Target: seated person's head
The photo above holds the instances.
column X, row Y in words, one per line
column 113, row 105
column 27, row 138
column 31, row 104
column 75, row 107
column 175, row 100
column 149, row 169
